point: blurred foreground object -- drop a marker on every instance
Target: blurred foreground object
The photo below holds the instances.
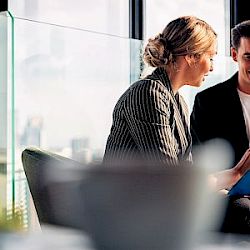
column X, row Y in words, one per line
column 134, row 205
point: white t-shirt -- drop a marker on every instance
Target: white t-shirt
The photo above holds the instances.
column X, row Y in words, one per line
column 245, row 102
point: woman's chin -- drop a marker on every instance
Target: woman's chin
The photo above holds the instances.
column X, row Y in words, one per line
column 197, row 84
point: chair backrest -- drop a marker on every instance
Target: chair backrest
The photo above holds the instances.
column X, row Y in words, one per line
column 54, row 192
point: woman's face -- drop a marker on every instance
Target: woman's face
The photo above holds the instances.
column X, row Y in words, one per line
column 201, row 68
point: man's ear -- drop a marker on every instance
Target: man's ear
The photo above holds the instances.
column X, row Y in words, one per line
column 234, row 54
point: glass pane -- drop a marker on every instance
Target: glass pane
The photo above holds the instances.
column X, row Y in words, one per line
column 105, row 16
column 6, row 112
column 66, row 86
column 136, row 63
column 67, row 82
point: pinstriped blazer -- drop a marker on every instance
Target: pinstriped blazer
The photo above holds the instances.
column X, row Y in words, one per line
column 150, row 123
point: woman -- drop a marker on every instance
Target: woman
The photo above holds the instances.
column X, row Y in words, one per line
column 151, row 120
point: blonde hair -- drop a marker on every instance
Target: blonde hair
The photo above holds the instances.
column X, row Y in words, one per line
column 187, row 35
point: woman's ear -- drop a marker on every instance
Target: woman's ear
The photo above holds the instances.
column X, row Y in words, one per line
column 234, row 54
column 190, row 60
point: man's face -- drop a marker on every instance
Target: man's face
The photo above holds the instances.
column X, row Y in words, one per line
column 242, row 56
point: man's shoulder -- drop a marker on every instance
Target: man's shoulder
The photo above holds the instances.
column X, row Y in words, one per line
column 214, row 90
column 219, row 89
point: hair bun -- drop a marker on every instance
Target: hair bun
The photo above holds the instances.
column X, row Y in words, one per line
column 166, row 42
column 158, row 51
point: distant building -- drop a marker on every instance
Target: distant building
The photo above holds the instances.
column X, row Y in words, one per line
column 33, row 132
column 81, row 150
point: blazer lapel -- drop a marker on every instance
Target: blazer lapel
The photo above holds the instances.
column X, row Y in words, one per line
column 181, row 124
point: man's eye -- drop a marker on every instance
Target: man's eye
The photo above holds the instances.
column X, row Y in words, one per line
column 247, row 57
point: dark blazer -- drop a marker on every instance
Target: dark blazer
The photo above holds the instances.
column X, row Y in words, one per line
column 150, row 122
column 217, row 113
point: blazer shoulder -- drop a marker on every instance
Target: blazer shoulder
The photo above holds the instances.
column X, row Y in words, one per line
column 146, row 92
column 148, row 86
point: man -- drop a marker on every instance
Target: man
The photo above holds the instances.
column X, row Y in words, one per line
column 223, row 111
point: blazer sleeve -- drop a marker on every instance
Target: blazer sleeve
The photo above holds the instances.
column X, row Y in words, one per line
column 148, row 113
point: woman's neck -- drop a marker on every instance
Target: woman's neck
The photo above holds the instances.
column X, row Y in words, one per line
column 175, row 77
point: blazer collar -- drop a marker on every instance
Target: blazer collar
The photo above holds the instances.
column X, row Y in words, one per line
column 231, row 89
column 161, row 74
column 233, row 81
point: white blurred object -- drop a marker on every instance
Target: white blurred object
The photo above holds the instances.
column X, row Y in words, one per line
column 214, row 155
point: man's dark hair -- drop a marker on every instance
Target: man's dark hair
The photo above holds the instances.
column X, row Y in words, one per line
column 240, row 30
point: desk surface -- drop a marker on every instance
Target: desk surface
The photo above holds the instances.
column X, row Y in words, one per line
column 52, row 237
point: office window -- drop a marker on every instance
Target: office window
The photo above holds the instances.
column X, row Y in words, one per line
column 104, row 16
column 66, row 87
column 160, row 12
column 70, row 61
column 6, row 108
